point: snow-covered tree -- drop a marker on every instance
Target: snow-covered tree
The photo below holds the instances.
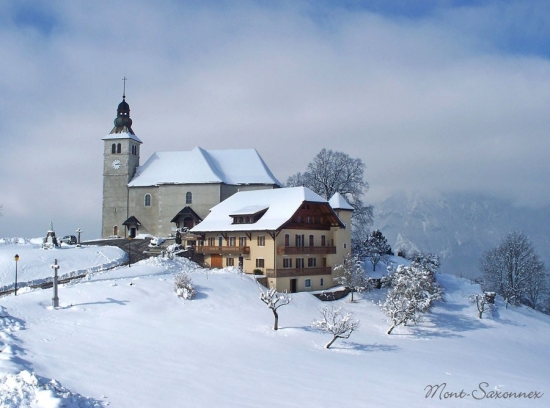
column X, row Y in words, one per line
column 333, row 172
column 413, row 291
column 514, row 270
column 376, row 248
column 352, row 275
column 339, row 324
column 427, row 261
column 274, row 300
column 482, row 302
column 183, row 286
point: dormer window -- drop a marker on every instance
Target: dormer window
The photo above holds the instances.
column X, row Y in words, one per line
column 248, row 215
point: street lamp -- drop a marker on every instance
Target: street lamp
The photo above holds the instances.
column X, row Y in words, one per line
column 129, row 253
column 16, row 257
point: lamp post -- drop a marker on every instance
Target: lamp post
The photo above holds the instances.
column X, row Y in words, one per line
column 16, row 257
column 55, row 299
column 78, row 231
column 129, row 252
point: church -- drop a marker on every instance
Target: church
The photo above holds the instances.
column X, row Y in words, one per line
column 171, row 190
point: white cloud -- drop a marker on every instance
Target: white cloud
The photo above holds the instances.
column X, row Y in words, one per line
column 429, row 103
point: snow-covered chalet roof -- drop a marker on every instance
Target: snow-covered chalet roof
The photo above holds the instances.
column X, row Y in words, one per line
column 338, row 201
column 235, row 166
column 281, row 204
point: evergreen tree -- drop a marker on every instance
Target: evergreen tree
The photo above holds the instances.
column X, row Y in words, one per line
column 376, row 248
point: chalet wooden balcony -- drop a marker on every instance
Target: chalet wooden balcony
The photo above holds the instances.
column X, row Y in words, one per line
column 306, row 250
column 222, row 250
column 292, row 273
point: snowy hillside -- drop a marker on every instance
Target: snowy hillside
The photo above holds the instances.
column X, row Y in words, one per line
column 122, row 338
column 458, row 227
column 34, row 264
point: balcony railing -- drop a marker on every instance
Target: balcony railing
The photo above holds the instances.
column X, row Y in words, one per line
column 305, row 250
column 222, row 250
column 291, row 273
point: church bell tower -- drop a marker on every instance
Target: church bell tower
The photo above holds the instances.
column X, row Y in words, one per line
column 120, row 160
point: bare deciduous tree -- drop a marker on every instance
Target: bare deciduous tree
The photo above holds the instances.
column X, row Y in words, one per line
column 274, row 300
column 482, row 303
column 353, row 276
column 333, row 172
column 514, row 270
column 339, row 324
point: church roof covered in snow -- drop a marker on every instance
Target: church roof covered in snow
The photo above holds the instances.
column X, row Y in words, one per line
column 234, row 166
column 279, row 204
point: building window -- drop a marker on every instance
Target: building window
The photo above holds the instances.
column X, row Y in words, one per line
column 230, row 262
column 147, row 200
column 299, row 240
column 220, row 241
column 299, row 263
column 211, row 241
column 259, row 263
column 323, row 240
column 189, row 198
column 119, row 148
column 322, row 282
column 232, row 241
column 345, row 246
column 311, row 240
column 113, row 148
column 261, row 240
column 287, row 262
column 287, row 240
column 307, row 283
column 242, row 241
column 311, row 262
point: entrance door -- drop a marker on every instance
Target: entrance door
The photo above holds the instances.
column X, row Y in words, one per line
column 293, row 285
column 133, row 232
column 216, row 261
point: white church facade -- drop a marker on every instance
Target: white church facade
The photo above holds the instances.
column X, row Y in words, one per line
column 171, row 190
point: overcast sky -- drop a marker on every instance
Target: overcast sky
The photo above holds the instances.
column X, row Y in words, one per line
column 431, row 95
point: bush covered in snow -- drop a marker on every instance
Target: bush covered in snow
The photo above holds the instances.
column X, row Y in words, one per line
column 183, row 286
column 156, row 241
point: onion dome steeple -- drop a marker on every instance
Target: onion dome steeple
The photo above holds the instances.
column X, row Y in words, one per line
column 123, row 123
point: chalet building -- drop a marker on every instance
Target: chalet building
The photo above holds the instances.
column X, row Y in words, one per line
column 292, row 235
column 171, row 190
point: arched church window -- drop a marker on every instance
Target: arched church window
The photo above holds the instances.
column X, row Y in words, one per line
column 119, row 148
column 147, row 200
column 189, row 198
column 113, row 148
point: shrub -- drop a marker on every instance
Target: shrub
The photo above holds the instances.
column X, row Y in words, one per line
column 183, row 286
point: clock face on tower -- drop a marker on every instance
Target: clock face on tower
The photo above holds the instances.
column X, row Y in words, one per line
column 116, row 164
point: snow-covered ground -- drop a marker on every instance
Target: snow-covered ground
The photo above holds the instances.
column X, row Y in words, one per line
column 122, row 338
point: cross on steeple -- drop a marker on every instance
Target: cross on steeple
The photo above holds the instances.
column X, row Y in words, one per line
column 124, row 91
